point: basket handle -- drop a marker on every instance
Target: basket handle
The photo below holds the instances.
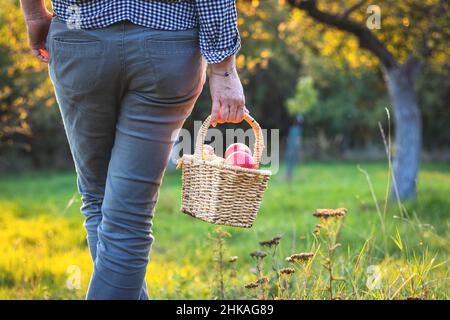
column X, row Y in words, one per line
column 259, row 142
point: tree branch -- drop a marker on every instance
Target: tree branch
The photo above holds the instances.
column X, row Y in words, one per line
column 367, row 39
column 352, row 8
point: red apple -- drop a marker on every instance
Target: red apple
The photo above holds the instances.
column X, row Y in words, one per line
column 237, row 147
column 241, row 159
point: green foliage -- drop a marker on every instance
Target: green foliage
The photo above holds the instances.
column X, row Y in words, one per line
column 305, row 96
column 434, row 95
column 404, row 27
column 27, row 102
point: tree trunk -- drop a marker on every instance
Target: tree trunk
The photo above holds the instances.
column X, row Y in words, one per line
column 408, row 128
column 292, row 149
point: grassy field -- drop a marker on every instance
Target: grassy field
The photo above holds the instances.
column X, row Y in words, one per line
column 402, row 255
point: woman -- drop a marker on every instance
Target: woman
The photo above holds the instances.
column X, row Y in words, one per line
column 126, row 76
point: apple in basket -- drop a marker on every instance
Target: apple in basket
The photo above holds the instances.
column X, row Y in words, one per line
column 208, row 152
column 209, row 155
column 237, row 147
column 241, row 159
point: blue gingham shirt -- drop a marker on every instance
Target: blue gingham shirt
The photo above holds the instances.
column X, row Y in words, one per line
column 216, row 19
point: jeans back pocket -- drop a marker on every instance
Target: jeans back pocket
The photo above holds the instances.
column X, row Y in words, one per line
column 178, row 65
column 75, row 62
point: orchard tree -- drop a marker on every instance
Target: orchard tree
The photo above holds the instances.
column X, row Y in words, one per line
column 401, row 37
column 304, row 99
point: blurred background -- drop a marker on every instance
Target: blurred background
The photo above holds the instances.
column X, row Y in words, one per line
column 280, row 46
column 339, row 79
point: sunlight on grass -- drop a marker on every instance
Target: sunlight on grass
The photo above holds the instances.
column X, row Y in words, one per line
column 42, row 236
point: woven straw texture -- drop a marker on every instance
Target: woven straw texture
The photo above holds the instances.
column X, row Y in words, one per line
column 220, row 193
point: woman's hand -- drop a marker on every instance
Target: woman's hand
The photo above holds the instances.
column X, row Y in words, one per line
column 227, row 94
column 37, row 19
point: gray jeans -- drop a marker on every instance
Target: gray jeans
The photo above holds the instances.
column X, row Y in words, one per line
column 124, row 92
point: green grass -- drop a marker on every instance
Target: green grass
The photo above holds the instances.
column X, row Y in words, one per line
column 41, row 235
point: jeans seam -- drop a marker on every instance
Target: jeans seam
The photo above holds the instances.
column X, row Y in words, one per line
column 122, row 51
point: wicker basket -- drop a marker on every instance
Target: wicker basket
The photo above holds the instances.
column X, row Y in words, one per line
column 220, row 193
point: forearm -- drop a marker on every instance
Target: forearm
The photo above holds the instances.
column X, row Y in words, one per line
column 33, row 9
column 38, row 20
column 227, row 65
